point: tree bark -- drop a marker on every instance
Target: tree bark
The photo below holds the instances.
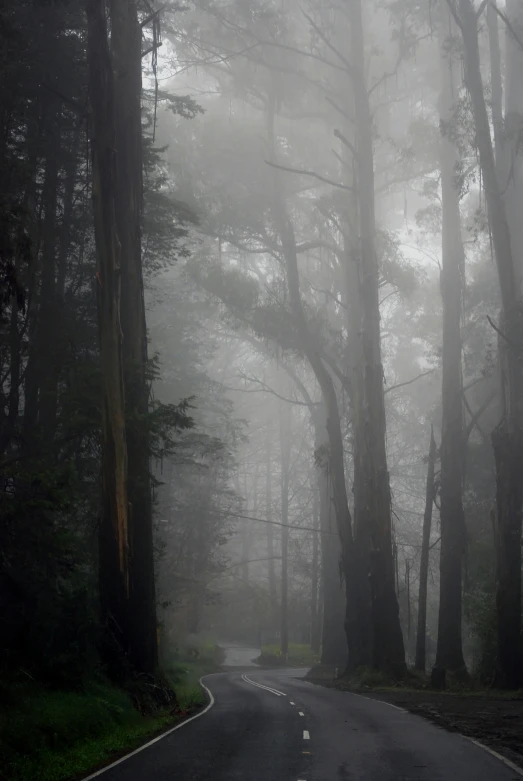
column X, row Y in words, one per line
column 449, row 654
column 421, row 634
column 388, row 652
column 285, row 453
column 315, row 605
column 507, row 438
column 270, row 528
column 114, row 521
column 127, row 57
column 334, row 645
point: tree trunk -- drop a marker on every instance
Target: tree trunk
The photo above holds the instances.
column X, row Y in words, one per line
column 507, row 438
column 511, row 171
column 449, row 654
column 127, row 58
column 421, row 635
column 315, row 607
column 388, row 652
column 114, row 526
column 285, row 451
column 270, row 528
column 334, row 647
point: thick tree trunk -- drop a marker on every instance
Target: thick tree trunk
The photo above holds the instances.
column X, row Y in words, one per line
column 361, row 483
column 270, row 529
column 315, row 605
column 388, row 652
column 127, row 57
column 511, row 171
column 114, row 526
column 334, row 646
column 507, row 439
column 449, row 655
column 421, row 635
column 285, row 453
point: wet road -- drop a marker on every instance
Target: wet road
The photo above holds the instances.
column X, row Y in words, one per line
column 274, row 726
column 239, row 656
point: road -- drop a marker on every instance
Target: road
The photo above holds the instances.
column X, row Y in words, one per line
column 239, row 656
column 274, row 726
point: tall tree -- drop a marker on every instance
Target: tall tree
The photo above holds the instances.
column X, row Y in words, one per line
column 126, row 554
column 421, row 633
column 388, row 651
column 126, row 47
column 507, row 438
column 452, row 454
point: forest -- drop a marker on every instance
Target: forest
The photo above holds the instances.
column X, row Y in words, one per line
column 261, row 356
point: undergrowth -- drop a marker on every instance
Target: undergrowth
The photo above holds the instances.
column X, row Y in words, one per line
column 53, row 735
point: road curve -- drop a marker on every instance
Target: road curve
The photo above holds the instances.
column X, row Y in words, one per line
column 274, row 726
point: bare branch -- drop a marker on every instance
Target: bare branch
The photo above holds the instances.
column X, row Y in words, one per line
column 474, row 418
column 309, row 173
column 329, row 45
column 340, row 110
column 510, row 26
column 345, row 141
column 409, row 382
column 481, row 8
column 454, row 11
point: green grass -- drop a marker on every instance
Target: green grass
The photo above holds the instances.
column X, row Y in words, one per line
column 298, row 656
column 58, row 735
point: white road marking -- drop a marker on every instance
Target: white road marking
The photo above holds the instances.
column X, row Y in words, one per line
column 491, row 751
column 306, row 735
column 292, row 703
column 373, row 699
column 261, row 686
column 300, row 713
column 501, row 758
column 160, row 737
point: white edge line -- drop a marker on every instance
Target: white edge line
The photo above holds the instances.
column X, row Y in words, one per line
column 383, row 702
column 491, row 751
column 160, row 737
column 501, row 758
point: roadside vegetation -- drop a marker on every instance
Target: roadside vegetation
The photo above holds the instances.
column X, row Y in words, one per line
column 55, row 735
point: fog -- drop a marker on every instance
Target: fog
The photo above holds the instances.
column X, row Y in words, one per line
column 260, row 344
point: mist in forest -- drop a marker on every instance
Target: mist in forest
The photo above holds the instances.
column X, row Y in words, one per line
column 261, row 271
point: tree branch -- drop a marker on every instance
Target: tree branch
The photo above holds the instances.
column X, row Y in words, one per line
column 509, row 25
column 409, row 382
column 453, row 10
column 309, row 173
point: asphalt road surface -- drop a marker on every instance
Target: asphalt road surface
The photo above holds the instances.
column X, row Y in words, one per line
column 274, row 726
column 239, row 656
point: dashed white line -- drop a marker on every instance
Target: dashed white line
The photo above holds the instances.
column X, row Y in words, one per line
column 300, row 713
column 306, row 735
column 292, row 703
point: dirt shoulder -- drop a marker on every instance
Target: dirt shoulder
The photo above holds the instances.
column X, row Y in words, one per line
column 495, row 721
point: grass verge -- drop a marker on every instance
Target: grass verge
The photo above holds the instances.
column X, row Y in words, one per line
column 57, row 735
column 298, row 656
